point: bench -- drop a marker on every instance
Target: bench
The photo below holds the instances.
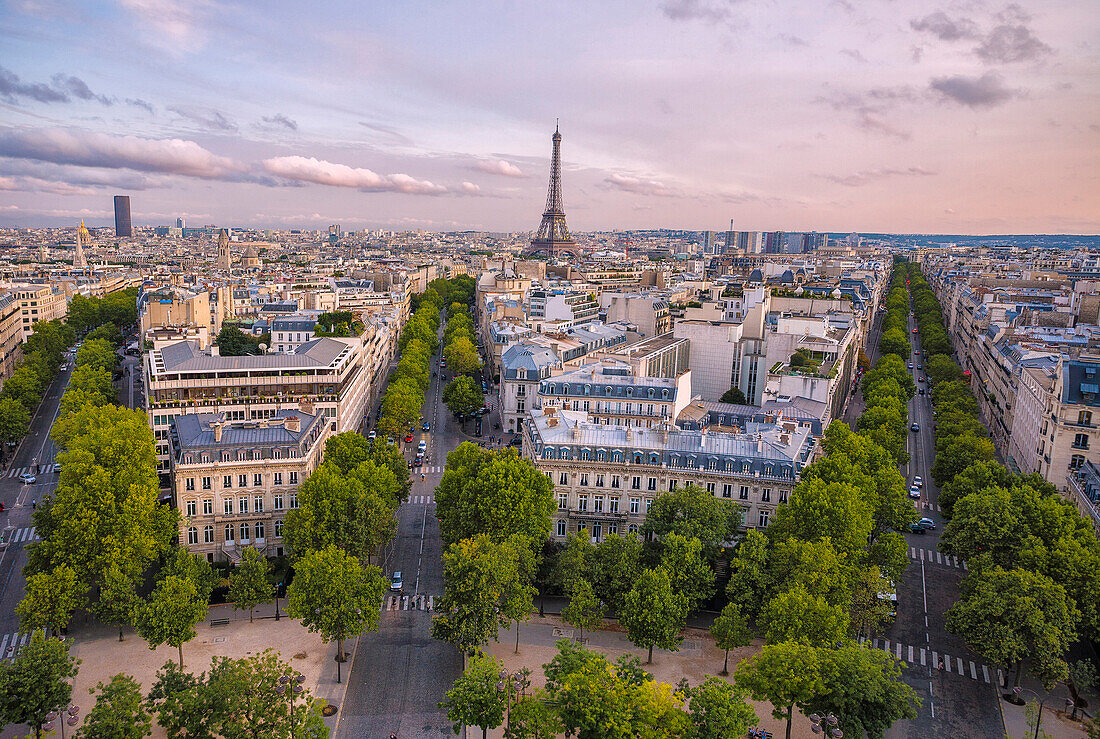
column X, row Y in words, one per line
column 219, row 622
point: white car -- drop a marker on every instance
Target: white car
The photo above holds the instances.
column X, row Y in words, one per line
column 28, row 478
column 918, row 481
column 396, row 582
column 422, row 445
column 914, row 492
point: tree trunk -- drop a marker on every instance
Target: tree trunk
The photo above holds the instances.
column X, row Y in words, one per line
column 181, row 656
column 484, row 732
column 120, row 632
column 650, row 660
column 250, row 615
column 790, row 717
column 517, row 636
column 1019, row 669
column 726, row 664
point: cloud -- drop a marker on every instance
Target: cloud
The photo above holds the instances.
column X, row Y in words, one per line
column 638, row 186
column 139, row 103
column 321, row 172
column 280, row 121
column 867, row 176
column 210, row 119
column 986, row 91
column 872, row 122
column 498, row 167
column 702, row 10
column 13, row 88
column 34, row 184
column 87, row 149
column 78, row 88
column 1011, row 43
column 395, row 136
column 854, row 54
column 175, row 22
column 793, row 40
column 945, row 28
column 871, row 107
column 469, row 188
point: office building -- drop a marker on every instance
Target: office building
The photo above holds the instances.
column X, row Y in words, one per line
column 123, row 227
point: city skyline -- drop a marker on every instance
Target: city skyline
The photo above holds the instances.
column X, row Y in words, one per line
column 907, row 117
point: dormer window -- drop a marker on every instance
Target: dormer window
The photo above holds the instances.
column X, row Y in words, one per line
column 521, row 373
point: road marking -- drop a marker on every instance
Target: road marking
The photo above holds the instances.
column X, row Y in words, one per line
column 1000, row 678
column 973, row 670
column 947, row 662
column 922, row 555
column 939, row 559
column 886, row 645
column 985, row 673
column 4, row 646
column 961, row 670
column 913, row 552
column 923, row 663
column 935, row 659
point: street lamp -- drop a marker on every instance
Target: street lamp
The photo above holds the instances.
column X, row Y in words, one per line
column 68, row 716
column 826, row 725
column 510, row 683
column 1042, row 701
column 294, row 682
column 277, row 601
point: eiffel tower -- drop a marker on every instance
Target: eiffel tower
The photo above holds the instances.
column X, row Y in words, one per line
column 553, row 237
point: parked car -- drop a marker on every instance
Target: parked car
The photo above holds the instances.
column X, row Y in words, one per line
column 396, row 583
column 422, row 445
column 910, row 365
column 56, row 467
column 28, row 478
column 426, row 426
column 372, row 435
column 408, row 437
column 921, row 391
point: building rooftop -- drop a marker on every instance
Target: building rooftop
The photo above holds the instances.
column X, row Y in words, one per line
column 186, row 356
column 200, row 430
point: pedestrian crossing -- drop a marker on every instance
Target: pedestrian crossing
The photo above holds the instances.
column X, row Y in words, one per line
column 33, row 469
column 24, row 535
column 422, row 499
column 934, row 557
column 408, row 603
column 930, row 506
column 11, row 643
column 930, row 658
column 428, row 470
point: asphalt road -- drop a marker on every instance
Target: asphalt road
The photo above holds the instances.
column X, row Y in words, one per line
column 399, row 673
column 957, row 688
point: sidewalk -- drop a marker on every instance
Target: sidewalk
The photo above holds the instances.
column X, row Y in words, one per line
column 1055, row 722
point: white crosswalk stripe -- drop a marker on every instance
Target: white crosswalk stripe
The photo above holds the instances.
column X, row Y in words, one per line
column 24, row 536
column 12, row 643
column 408, row 603
column 940, row 662
column 932, row 557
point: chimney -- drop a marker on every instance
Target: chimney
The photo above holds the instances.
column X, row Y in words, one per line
column 217, row 426
column 576, row 432
column 305, row 405
column 292, row 424
column 759, row 442
column 552, row 422
column 215, row 351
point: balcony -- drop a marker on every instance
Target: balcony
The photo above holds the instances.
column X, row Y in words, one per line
column 596, row 515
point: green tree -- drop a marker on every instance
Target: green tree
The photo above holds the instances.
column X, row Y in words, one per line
column 575, row 561
column 688, row 571
column 893, row 341
column 494, row 492
column 864, row 689
column 941, row 368
column 50, row 599
column 976, row 477
column 815, row 565
column 400, row 406
column 693, row 513
column 534, row 717
column 244, row 698
column 584, row 610
column 335, row 596
column 36, row 682
column 817, row 510
column 118, row 599
column 118, row 712
column 170, row 615
column 796, row 615
column 960, row 453
column 15, row 420
column 750, row 580
column 249, row 585
column 786, row 674
column 181, row 703
column 1008, row 616
column 718, row 710
column 24, row 387
column 616, row 564
column 869, row 611
column 733, row 395
column 730, row 631
column 653, row 613
column 192, row 567
column 97, row 353
column 232, row 342
column 462, row 396
column 474, row 700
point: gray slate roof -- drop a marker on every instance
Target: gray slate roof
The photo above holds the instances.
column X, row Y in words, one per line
column 185, row 356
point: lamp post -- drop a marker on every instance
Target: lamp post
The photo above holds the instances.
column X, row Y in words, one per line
column 277, row 601
column 825, row 725
column 294, row 682
column 510, row 683
column 1042, row 702
column 68, row 716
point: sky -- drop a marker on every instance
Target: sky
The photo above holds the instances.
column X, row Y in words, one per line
column 902, row 116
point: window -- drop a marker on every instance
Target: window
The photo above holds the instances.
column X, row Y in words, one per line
column 584, row 479
column 1084, row 418
column 727, row 491
column 563, row 501
column 294, row 477
column 189, row 483
column 1081, row 441
column 648, row 505
column 190, row 508
column 763, row 518
column 615, row 480
column 208, row 507
column 229, row 532
column 563, row 478
column 227, row 481
column 275, row 454
column 612, row 528
column 597, row 504
column 582, row 502
column 599, row 481
column 257, row 480
column 652, row 483
column 1076, row 461
column 711, row 487
column 277, row 502
column 521, row 405
column 206, row 483
column 278, row 528
column 636, row 483
column 744, row 493
column 632, row 528
column 278, row 478
column 671, row 485
column 782, row 496
column 207, row 534
column 227, row 506
column 242, row 504
column 294, row 500
column 766, row 495
column 635, row 504
column 613, row 504
column 242, row 481
column 192, row 535
column 258, row 504
column 244, row 532
column 561, row 527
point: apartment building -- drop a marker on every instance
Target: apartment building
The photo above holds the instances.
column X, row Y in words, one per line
column 11, row 334
column 328, row 374
column 550, row 305
column 290, row 332
column 522, row 367
column 234, row 481
column 648, row 311
column 606, row 477
column 39, row 303
column 611, row 394
column 175, row 307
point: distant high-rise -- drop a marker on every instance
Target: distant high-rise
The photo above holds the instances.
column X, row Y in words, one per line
column 731, row 238
column 710, row 242
column 180, row 223
column 553, row 237
column 123, row 228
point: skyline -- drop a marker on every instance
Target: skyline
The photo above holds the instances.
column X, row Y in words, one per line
column 965, row 117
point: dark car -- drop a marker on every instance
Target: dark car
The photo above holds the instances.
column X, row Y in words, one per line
column 916, row 529
column 915, row 427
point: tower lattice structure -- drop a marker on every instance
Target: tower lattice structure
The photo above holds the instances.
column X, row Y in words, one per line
column 553, row 235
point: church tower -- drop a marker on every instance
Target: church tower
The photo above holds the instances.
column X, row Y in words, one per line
column 83, row 238
column 225, row 257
